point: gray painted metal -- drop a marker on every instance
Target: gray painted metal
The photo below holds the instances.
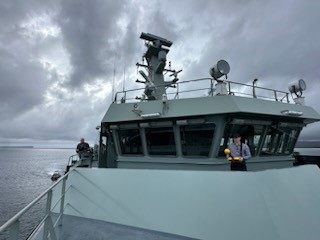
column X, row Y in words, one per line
column 224, row 104
column 79, row 228
column 272, row 204
column 197, row 163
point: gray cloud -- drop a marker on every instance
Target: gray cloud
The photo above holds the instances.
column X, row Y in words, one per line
column 57, row 86
column 89, row 30
column 19, row 79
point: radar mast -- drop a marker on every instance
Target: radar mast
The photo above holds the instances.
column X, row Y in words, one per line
column 156, row 57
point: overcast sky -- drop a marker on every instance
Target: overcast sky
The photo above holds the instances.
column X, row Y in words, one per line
column 57, row 57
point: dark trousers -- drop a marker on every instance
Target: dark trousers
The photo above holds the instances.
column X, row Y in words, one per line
column 238, row 166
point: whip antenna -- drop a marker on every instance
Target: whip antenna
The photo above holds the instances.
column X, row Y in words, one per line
column 114, row 73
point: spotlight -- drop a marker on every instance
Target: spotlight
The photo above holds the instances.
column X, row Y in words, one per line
column 221, row 68
column 297, row 87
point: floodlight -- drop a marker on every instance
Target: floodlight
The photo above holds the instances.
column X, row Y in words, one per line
column 297, row 87
column 221, row 68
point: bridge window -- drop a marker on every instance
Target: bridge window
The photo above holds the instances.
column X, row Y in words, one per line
column 250, row 134
column 279, row 140
column 196, row 139
column 130, row 141
column 160, row 141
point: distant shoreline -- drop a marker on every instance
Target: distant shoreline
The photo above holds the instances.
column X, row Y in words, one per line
column 16, row 147
column 307, row 144
column 32, row 147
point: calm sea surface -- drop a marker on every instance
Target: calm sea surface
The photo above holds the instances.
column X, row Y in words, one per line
column 26, row 173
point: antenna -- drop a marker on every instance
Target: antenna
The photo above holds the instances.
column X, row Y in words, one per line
column 114, row 74
column 254, row 84
column 124, row 76
column 144, row 76
column 155, row 39
column 123, row 99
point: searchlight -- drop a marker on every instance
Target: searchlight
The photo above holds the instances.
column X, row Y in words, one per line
column 222, row 68
column 297, row 88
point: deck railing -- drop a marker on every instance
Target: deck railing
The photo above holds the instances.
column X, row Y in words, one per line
column 72, row 159
column 205, row 87
column 13, row 224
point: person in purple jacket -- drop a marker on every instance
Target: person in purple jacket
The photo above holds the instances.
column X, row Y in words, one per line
column 239, row 151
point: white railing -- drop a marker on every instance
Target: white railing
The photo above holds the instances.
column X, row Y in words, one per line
column 205, row 87
column 13, row 224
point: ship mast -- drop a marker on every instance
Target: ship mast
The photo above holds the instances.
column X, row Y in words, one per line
column 156, row 57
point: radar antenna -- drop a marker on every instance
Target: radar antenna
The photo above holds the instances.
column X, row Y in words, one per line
column 156, row 57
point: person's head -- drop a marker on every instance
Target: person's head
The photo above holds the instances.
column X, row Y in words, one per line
column 82, row 140
column 236, row 138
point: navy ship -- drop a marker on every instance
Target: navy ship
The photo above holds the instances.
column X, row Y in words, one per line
column 160, row 169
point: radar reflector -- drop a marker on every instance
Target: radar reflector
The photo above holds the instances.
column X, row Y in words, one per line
column 220, row 69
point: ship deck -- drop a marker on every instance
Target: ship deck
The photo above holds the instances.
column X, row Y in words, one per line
column 78, row 228
column 272, row 204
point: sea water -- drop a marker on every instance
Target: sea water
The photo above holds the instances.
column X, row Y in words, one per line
column 25, row 173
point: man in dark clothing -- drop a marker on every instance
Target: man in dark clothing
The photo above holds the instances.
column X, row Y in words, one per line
column 240, row 152
column 82, row 147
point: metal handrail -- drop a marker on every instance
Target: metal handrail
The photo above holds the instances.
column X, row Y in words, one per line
column 11, row 223
column 71, row 158
column 210, row 88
